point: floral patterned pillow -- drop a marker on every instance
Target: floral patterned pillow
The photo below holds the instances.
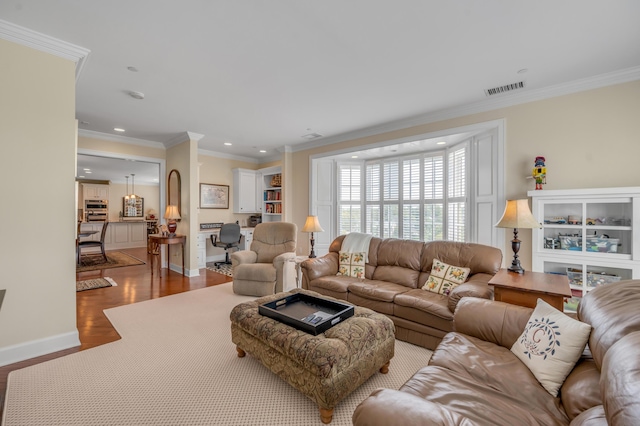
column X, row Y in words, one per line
column 351, row 264
column 550, row 345
column 445, row 277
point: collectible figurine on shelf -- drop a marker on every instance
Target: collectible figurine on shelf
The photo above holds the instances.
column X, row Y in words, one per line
column 540, row 172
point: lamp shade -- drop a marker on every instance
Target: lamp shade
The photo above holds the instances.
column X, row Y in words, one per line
column 518, row 215
column 312, row 225
column 172, row 212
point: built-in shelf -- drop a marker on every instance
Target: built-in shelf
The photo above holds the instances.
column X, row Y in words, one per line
column 587, row 234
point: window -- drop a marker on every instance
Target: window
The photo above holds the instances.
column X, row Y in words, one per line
column 421, row 197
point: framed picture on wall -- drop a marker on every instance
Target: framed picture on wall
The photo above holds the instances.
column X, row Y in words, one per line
column 214, row 196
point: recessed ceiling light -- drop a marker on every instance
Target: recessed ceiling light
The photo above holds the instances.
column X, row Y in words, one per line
column 354, row 156
column 263, row 151
column 440, row 143
column 88, row 172
column 228, row 143
column 118, row 129
column 81, row 176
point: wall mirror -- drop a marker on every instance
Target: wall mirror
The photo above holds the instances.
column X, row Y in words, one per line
column 174, row 194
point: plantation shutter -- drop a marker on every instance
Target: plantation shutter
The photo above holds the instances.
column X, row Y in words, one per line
column 457, row 194
column 349, row 198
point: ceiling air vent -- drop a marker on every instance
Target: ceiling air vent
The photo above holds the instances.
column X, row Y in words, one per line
column 311, row 136
column 503, row 89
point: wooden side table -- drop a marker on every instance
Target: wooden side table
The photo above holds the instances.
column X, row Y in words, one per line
column 525, row 289
column 156, row 240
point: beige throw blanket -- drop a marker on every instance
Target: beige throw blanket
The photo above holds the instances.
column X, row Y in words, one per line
column 356, row 242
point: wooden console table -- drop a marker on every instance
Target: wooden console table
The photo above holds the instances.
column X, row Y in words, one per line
column 156, row 240
column 525, row 289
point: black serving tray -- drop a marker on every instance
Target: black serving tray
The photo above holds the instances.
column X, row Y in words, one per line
column 313, row 315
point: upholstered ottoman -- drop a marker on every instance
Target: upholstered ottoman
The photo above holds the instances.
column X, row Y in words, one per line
column 326, row 367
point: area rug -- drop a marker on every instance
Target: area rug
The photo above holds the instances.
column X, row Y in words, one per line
column 176, row 365
column 95, row 283
column 223, row 269
column 115, row 259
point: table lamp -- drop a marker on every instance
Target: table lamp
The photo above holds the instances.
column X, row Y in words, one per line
column 517, row 215
column 312, row 225
column 172, row 214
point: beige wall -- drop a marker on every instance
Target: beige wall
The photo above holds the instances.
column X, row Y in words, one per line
column 589, row 140
column 37, row 181
column 219, row 171
column 117, row 191
column 183, row 157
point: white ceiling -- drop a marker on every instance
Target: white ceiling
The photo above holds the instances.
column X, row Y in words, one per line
column 261, row 74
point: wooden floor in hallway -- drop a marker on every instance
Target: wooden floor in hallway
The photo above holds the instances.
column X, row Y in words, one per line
column 134, row 284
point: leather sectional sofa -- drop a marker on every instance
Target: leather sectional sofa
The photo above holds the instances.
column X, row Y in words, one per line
column 474, row 379
column 393, row 279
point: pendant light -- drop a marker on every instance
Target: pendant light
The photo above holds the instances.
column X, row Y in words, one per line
column 126, row 193
column 133, row 187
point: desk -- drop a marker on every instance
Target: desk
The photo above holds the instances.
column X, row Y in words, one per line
column 525, row 289
column 156, row 240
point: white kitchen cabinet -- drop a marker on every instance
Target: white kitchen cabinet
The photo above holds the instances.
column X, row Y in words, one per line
column 587, row 234
column 91, row 191
column 244, row 191
column 119, row 235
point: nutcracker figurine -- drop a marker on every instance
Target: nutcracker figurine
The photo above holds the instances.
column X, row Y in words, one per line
column 540, row 172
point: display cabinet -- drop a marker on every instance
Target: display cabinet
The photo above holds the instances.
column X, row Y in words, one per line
column 588, row 235
column 272, row 194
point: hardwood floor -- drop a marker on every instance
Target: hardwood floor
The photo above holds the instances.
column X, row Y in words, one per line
column 135, row 284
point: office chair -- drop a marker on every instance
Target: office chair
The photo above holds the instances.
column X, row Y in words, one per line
column 229, row 238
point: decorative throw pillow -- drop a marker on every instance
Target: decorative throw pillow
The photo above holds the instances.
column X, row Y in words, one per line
column 351, row 264
column 550, row 345
column 445, row 278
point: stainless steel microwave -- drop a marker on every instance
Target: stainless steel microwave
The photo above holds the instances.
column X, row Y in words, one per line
column 96, row 205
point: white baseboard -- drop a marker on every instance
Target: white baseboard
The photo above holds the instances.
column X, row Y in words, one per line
column 35, row 348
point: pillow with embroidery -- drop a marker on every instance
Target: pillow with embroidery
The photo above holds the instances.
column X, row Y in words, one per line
column 550, row 345
column 445, row 277
column 351, row 264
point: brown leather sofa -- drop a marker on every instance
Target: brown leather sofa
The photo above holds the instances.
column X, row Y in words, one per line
column 474, row 379
column 394, row 276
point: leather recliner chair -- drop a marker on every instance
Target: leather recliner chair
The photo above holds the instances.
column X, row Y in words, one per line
column 260, row 270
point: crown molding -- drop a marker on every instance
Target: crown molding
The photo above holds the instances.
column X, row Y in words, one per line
column 217, row 154
column 183, row 137
column 45, row 43
column 119, row 138
column 503, row 101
